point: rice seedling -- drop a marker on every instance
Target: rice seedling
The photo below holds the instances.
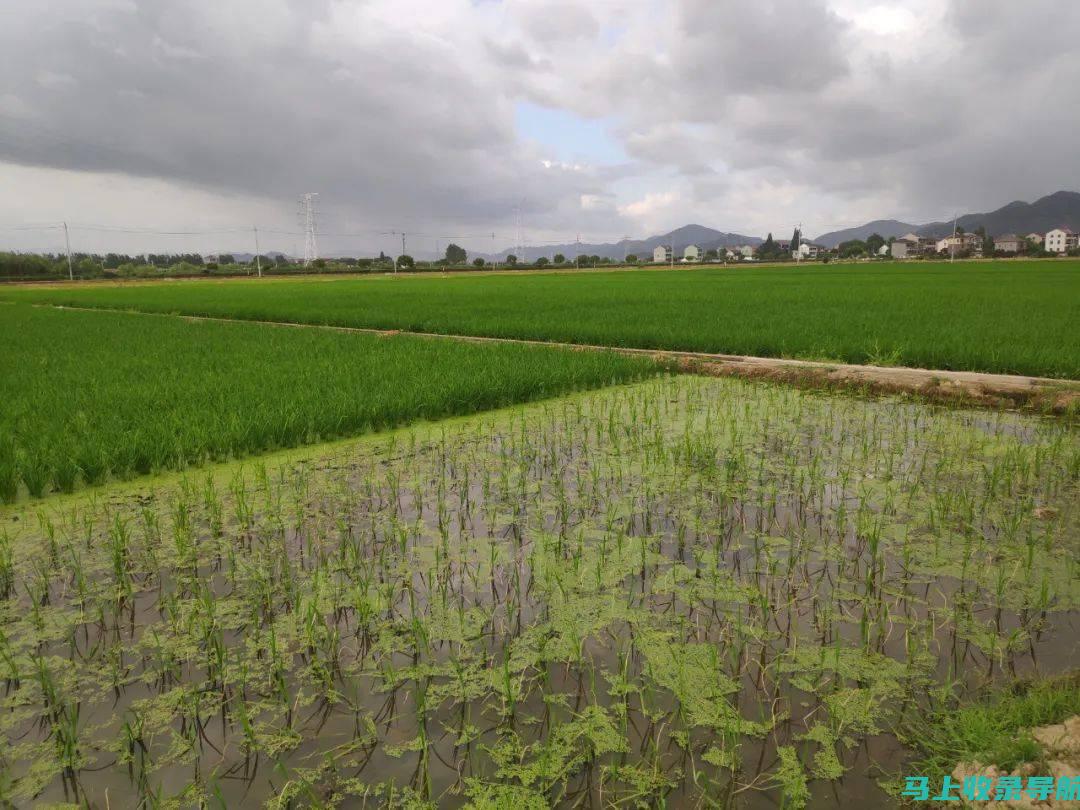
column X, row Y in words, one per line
column 141, row 395
column 926, row 314
column 678, row 592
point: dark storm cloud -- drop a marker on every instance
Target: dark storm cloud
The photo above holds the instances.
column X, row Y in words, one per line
column 406, row 110
column 385, row 118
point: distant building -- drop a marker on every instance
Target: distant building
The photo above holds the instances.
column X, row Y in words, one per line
column 746, row 251
column 918, row 245
column 809, row 250
column 1060, row 240
column 1009, row 243
column 1037, row 238
column 960, row 243
column 902, row 248
column 661, row 254
column 691, row 253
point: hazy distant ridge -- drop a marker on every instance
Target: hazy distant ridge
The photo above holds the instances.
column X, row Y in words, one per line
column 704, row 238
column 1062, row 208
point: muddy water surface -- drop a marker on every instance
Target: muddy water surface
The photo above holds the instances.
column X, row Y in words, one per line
column 693, row 592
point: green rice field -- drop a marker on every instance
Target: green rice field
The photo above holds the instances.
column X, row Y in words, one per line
column 88, row 396
column 1012, row 317
column 680, row 592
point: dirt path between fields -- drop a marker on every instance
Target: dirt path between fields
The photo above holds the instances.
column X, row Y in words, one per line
column 967, row 387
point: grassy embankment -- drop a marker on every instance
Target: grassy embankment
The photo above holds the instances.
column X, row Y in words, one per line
column 994, row 729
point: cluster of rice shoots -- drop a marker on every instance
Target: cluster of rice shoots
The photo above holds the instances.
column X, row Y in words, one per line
column 681, row 592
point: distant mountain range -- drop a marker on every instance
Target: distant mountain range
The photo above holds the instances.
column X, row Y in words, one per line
column 704, row 238
column 1061, row 208
column 1055, row 210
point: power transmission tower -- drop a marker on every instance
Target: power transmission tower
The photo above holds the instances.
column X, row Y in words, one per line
column 307, row 222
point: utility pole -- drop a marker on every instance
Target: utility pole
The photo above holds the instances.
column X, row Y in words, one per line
column 577, row 253
column 402, row 249
column 67, row 247
column 952, row 239
column 626, row 247
column 258, row 261
column 798, row 245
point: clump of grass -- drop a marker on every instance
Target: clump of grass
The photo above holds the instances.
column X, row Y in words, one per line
column 994, row 729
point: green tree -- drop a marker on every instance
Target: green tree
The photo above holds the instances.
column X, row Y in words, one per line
column 768, row 249
column 852, row 248
column 226, row 258
column 455, row 254
column 114, row 260
column 874, row 243
column 87, row 268
column 511, row 259
column 478, row 262
column 542, row 261
column 405, row 260
column 560, row 259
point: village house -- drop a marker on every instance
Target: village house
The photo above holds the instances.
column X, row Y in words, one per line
column 911, row 244
column 691, row 253
column 1060, row 240
column 960, row 243
column 746, row 251
column 1009, row 243
column 919, row 245
column 1037, row 238
column 903, row 248
column 809, row 250
column 661, row 254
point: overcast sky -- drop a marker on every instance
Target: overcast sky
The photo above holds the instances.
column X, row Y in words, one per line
column 598, row 117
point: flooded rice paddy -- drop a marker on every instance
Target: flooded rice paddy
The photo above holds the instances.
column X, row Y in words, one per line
column 682, row 593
